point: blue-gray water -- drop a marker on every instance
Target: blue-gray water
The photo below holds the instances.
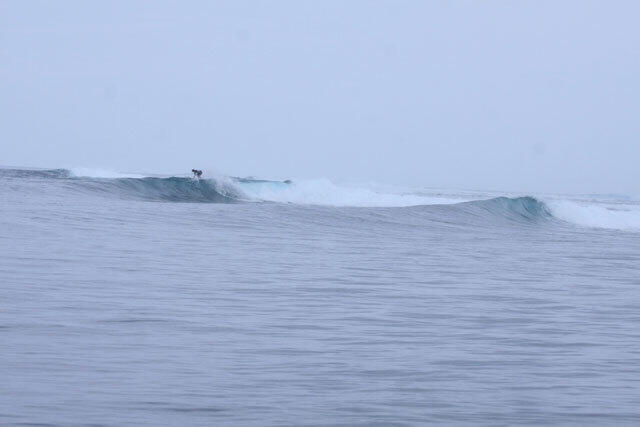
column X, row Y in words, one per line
column 168, row 301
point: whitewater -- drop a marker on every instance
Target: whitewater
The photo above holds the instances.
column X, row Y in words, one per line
column 130, row 299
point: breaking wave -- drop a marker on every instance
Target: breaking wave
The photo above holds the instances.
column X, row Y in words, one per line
column 620, row 216
column 325, row 192
column 455, row 206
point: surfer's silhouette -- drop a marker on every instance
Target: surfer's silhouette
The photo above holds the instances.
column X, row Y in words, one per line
column 197, row 173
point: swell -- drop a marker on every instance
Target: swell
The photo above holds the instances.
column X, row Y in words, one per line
column 498, row 210
column 494, row 212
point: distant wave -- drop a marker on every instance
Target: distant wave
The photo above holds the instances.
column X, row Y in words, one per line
column 619, row 216
column 512, row 208
column 450, row 206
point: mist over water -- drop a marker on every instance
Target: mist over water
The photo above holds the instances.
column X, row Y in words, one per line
column 238, row 301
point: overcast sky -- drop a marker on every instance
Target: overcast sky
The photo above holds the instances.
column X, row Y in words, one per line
column 503, row 95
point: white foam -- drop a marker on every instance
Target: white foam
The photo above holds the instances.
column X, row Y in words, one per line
column 101, row 173
column 324, row 192
column 597, row 215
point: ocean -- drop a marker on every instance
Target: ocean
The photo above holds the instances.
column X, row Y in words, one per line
column 133, row 300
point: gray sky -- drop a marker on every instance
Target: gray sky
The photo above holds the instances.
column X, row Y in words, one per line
column 504, row 95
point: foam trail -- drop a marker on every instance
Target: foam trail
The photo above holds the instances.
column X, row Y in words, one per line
column 324, row 192
column 101, row 173
column 618, row 216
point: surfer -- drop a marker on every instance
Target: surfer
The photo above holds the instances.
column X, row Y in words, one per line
column 196, row 173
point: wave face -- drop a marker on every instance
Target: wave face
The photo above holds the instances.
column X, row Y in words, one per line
column 171, row 189
column 175, row 189
column 518, row 208
column 498, row 211
column 461, row 207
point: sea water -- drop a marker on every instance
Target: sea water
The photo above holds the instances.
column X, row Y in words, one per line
column 132, row 300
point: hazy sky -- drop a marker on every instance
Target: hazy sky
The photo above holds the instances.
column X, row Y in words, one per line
column 504, row 95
